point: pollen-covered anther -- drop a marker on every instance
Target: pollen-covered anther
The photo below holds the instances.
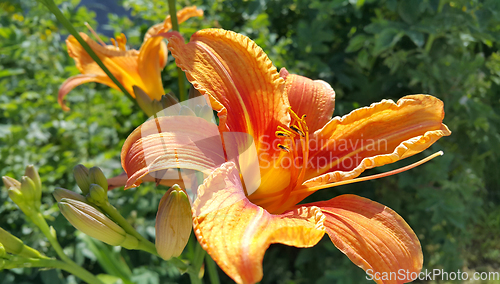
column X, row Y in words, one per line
column 284, row 148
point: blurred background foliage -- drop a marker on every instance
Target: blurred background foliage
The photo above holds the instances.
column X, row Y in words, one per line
column 367, row 50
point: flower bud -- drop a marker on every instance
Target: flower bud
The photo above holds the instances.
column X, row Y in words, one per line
column 11, row 183
column 13, row 245
column 32, row 173
column 97, row 195
column 97, row 177
column 81, row 174
column 60, row 193
column 94, row 223
column 28, row 189
column 173, row 223
column 3, row 253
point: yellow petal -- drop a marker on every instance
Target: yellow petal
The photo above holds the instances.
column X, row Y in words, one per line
column 373, row 236
column 316, row 99
column 236, row 233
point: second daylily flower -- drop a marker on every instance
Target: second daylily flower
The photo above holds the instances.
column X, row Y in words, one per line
column 141, row 68
column 238, row 212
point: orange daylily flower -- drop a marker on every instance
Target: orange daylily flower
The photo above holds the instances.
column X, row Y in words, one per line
column 132, row 67
column 298, row 149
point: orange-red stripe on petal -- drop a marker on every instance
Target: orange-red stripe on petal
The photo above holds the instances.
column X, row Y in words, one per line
column 387, row 131
column 185, row 142
column 314, row 98
column 242, row 82
column 236, row 233
column 373, row 236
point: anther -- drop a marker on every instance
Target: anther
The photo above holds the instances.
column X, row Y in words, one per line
column 282, row 134
column 294, row 128
column 284, row 148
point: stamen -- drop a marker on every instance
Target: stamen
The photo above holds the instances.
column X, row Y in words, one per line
column 284, row 148
column 114, row 42
column 95, row 34
column 282, row 134
column 294, row 128
column 381, row 175
column 284, row 130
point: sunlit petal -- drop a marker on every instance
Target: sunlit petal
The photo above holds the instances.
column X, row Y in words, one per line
column 171, row 142
column 373, row 236
column 316, row 99
column 236, row 233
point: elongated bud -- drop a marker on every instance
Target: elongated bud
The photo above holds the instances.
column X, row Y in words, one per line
column 11, row 183
column 28, row 189
column 81, row 174
column 60, row 193
column 32, row 173
column 173, row 223
column 97, row 177
column 97, row 195
column 14, row 245
column 3, row 253
column 94, row 223
column 168, row 100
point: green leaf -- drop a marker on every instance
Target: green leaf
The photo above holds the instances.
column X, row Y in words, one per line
column 356, row 43
column 416, row 37
column 409, row 10
column 385, row 40
column 11, row 72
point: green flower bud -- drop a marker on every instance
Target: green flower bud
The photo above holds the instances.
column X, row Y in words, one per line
column 3, row 253
column 186, row 111
column 97, row 177
column 94, row 223
column 97, row 195
column 11, row 183
column 32, row 173
column 28, row 190
column 173, row 223
column 60, row 193
column 168, row 100
column 13, row 245
column 81, row 174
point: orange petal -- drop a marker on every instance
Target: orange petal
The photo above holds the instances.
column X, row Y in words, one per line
column 149, row 67
column 122, row 64
column 373, row 236
column 236, row 233
column 182, row 15
column 374, row 136
column 171, row 142
column 316, row 99
column 75, row 81
column 244, row 86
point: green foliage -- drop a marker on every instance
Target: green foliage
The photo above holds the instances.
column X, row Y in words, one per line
column 367, row 50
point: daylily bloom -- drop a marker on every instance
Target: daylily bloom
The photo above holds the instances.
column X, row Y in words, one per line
column 298, row 149
column 131, row 67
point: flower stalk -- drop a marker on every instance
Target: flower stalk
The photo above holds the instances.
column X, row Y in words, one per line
column 175, row 27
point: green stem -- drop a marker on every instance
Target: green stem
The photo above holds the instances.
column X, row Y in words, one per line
column 194, row 270
column 212, row 270
column 66, row 23
column 40, row 222
column 72, row 268
column 175, row 27
column 428, row 45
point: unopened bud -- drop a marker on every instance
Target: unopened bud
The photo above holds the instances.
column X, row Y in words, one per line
column 28, row 190
column 94, row 223
column 193, row 93
column 81, row 174
column 11, row 183
column 173, row 223
column 32, row 173
column 168, row 100
column 186, row 111
column 60, row 193
column 3, row 253
column 97, row 177
column 97, row 195
column 13, row 245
